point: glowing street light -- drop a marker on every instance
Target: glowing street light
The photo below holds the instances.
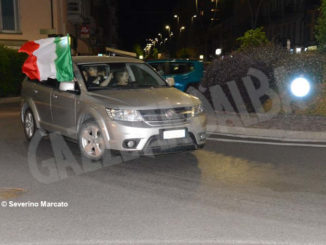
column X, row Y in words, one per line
column 193, row 17
column 218, row 51
column 182, row 28
column 168, row 28
column 300, row 87
column 177, row 17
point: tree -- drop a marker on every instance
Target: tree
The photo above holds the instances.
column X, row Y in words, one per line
column 253, row 38
column 138, row 50
column 321, row 27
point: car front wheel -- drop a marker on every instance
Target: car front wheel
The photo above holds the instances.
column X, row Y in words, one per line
column 29, row 124
column 91, row 141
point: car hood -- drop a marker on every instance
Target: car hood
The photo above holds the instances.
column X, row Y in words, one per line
column 143, row 98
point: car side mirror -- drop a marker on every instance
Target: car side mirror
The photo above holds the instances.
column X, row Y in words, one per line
column 68, row 87
column 170, row 81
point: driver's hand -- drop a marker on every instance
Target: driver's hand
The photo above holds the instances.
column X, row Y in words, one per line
column 107, row 81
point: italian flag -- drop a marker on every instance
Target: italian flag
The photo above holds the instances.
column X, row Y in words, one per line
column 48, row 58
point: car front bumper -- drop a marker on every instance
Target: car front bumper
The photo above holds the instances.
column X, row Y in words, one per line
column 149, row 139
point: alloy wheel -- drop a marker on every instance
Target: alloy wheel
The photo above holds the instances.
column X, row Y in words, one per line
column 29, row 125
column 92, row 141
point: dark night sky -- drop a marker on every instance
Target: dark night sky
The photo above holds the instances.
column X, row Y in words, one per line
column 141, row 19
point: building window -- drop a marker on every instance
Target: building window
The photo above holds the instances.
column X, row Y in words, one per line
column 9, row 16
column 73, row 7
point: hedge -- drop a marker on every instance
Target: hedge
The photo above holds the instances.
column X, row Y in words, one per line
column 266, row 59
column 11, row 75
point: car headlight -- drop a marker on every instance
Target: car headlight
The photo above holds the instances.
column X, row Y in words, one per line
column 124, row 115
column 197, row 109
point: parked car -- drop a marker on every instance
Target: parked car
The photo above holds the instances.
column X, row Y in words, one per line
column 124, row 105
column 185, row 72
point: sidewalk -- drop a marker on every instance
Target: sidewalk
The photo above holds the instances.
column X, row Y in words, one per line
column 9, row 100
column 281, row 127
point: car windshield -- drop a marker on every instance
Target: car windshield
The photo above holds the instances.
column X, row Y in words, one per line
column 120, row 76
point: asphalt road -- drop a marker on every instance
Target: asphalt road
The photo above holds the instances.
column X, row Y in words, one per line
column 227, row 193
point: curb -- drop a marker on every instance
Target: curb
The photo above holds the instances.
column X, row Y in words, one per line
column 9, row 100
column 271, row 134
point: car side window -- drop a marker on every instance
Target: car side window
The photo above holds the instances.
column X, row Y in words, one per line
column 180, row 68
column 161, row 68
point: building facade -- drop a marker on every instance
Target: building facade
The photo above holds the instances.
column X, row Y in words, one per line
column 23, row 20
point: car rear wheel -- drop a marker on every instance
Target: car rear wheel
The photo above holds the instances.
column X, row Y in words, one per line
column 91, row 141
column 29, row 124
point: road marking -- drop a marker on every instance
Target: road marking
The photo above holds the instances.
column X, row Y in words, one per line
column 266, row 143
column 263, row 138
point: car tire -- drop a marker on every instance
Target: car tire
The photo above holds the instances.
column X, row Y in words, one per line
column 29, row 124
column 91, row 141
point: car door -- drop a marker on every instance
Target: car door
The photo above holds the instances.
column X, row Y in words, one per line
column 181, row 73
column 63, row 105
column 42, row 98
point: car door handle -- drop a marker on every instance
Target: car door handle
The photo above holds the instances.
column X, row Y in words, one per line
column 55, row 96
column 35, row 91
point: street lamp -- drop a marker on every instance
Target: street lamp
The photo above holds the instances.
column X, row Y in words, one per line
column 300, row 87
column 168, row 28
column 193, row 17
column 177, row 17
column 218, row 51
column 182, row 28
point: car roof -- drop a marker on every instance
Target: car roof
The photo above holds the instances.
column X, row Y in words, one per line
column 104, row 59
column 173, row 60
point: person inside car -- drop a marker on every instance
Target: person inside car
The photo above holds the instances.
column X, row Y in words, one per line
column 121, row 78
column 94, row 78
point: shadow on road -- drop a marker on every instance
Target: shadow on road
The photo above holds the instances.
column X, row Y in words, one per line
column 177, row 174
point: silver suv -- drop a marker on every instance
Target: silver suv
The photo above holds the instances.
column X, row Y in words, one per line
column 114, row 103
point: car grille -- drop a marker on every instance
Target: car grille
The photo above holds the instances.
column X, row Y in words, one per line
column 165, row 117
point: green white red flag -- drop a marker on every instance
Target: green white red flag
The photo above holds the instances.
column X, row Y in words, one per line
column 48, row 58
